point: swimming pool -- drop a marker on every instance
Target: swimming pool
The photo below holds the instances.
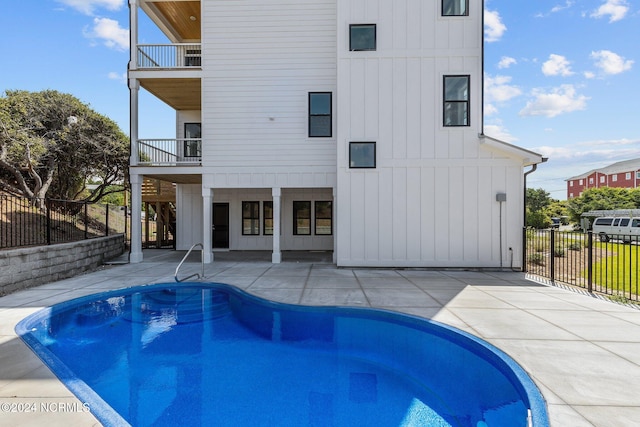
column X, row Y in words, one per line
column 198, row 354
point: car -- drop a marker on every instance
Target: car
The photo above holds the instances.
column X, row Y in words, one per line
column 555, row 222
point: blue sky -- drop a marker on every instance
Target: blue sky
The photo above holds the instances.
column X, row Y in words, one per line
column 562, row 77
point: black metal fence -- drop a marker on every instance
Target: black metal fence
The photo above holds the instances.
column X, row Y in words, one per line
column 584, row 260
column 36, row 222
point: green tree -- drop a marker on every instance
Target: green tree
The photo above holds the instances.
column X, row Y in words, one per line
column 604, row 198
column 51, row 144
column 537, row 201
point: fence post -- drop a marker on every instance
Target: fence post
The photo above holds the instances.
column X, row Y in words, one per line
column 47, row 203
column 524, row 249
column 590, row 261
column 553, row 255
column 106, row 219
column 86, row 221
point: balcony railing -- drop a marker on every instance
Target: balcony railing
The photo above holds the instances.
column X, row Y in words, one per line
column 178, row 55
column 170, row 152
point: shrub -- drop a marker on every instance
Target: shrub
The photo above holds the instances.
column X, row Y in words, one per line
column 558, row 252
column 536, row 259
column 575, row 246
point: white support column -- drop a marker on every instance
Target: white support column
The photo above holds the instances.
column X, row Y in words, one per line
column 207, row 222
column 134, row 90
column 133, row 34
column 276, row 256
column 136, row 218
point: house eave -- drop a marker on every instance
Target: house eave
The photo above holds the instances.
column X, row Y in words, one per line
column 528, row 157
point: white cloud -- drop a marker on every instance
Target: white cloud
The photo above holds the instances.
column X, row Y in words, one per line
column 506, row 62
column 594, row 151
column 497, row 131
column 89, row 6
column 561, row 7
column 121, row 77
column 498, row 89
column 560, row 100
column 615, row 9
column 557, row 65
column 110, row 32
column 611, row 63
column 589, row 75
column 493, row 26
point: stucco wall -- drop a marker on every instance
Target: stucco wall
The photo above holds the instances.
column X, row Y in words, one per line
column 27, row 267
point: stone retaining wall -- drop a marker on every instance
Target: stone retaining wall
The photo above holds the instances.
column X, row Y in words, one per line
column 27, row 267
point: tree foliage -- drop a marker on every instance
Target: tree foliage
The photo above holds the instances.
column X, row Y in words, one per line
column 51, row 144
column 604, row 198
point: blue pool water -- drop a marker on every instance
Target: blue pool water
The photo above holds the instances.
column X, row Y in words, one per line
column 210, row 354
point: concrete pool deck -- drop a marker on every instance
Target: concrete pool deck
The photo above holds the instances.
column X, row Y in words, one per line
column 583, row 352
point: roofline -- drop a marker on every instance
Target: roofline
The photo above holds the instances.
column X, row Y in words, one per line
column 529, row 157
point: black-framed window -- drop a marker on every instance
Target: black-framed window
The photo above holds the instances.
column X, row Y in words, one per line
column 455, row 7
column 302, row 218
column 192, row 139
column 323, row 218
column 456, row 101
column 250, row 218
column 320, row 121
column 362, row 37
column 267, row 218
column 362, row 155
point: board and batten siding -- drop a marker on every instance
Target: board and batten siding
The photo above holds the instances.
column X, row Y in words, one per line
column 261, row 58
column 431, row 200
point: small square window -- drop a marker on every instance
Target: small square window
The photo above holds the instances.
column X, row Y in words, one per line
column 320, row 121
column 614, row 177
column 362, row 37
column 362, row 154
column 455, row 7
column 627, row 176
column 456, row 100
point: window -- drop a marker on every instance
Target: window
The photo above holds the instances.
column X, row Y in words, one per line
column 627, row 176
column 301, row 218
column 362, row 154
column 362, row 37
column 456, row 100
column 192, row 139
column 580, row 182
column 320, row 114
column 601, row 179
column 250, row 218
column 590, row 180
column 624, row 222
column 571, row 195
column 614, row 177
column 455, row 7
column 570, row 183
column 324, row 218
column 267, row 221
column 637, row 175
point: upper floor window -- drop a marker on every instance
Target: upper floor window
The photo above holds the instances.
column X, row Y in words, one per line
column 320, row 114
column 456, row 100
column 362, row 154
column 637, row 175
column 192, row 139
column 590, row 180
column 601, row 179
column 614, row 177
column 627, row 176
column 570, row 183
column 362, row 37
column 580, row 182
column 455, row 7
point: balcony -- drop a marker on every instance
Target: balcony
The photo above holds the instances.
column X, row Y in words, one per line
column 170, row 152
column 169, row 56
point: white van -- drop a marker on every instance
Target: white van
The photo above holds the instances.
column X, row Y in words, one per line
column 625, row 229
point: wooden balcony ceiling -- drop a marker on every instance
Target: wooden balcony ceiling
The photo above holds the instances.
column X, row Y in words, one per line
column 179, row 94
column 179, row 18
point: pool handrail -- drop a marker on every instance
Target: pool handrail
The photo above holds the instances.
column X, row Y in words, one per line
column 199, row 275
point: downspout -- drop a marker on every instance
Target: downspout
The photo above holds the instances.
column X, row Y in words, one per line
column 482, row 73
column 524, row 209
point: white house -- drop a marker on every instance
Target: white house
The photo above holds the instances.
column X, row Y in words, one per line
column 353, row 126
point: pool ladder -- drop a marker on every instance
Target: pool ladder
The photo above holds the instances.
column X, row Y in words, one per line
column 199, row 275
